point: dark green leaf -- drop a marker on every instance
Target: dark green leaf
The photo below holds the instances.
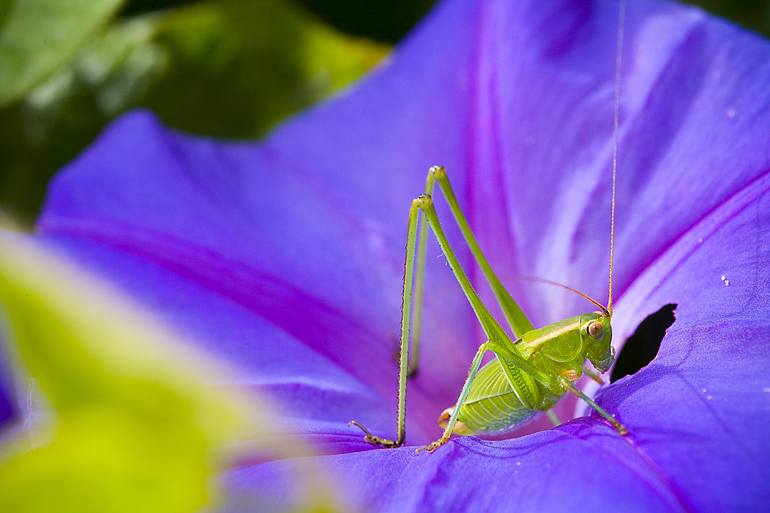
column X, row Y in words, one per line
column 228, row 69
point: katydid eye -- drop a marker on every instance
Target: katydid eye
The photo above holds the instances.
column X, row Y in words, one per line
column 595, row 329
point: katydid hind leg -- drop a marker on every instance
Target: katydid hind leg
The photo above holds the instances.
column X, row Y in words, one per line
column 406, row 307
column 516, row 318
column 474, row 369
column 513, row 313
column 490, row 326
column 419, row 287
column 553, row 417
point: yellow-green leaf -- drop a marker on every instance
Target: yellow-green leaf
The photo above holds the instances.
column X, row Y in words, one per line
column 136, row 421
column 39, row 36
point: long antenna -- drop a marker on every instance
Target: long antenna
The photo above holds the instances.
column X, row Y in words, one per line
column 567, row 287
column 615, row 137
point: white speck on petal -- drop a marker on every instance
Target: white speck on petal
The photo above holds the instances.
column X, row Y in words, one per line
column 730, row 113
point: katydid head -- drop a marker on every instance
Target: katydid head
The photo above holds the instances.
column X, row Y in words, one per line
column 596, row 331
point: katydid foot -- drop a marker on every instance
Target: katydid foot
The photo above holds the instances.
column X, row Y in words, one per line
column 375, row 440
column 433, row 446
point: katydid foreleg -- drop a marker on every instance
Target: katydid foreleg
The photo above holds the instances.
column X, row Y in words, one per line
column 601, row 411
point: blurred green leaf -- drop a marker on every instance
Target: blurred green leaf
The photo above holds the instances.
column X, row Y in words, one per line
column 136, row 426
column 221, row 68
column 104, row 463
column 226, row 68
column 87, row 347
column 39, row 36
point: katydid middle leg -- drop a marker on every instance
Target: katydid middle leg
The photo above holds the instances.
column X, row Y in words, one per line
column 475, row 364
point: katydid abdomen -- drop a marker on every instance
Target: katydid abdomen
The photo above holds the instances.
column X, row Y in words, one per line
column 492, row 405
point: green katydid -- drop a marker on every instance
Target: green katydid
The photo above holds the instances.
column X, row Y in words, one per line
column 528, row 375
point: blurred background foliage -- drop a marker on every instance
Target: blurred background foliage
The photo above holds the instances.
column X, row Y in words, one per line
column 224, row 68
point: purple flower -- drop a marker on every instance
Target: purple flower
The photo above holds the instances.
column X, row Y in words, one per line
column 285, row 257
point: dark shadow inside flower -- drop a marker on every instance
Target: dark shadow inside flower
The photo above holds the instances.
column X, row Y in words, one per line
column 9, row 410
column 643, row 345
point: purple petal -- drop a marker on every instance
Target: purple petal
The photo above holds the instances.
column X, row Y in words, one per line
column 310, row 260
column 230, row 312
column 581, row 467
column 8, row 410
column 286, row 256
column 700, row 411
column 208, row 265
